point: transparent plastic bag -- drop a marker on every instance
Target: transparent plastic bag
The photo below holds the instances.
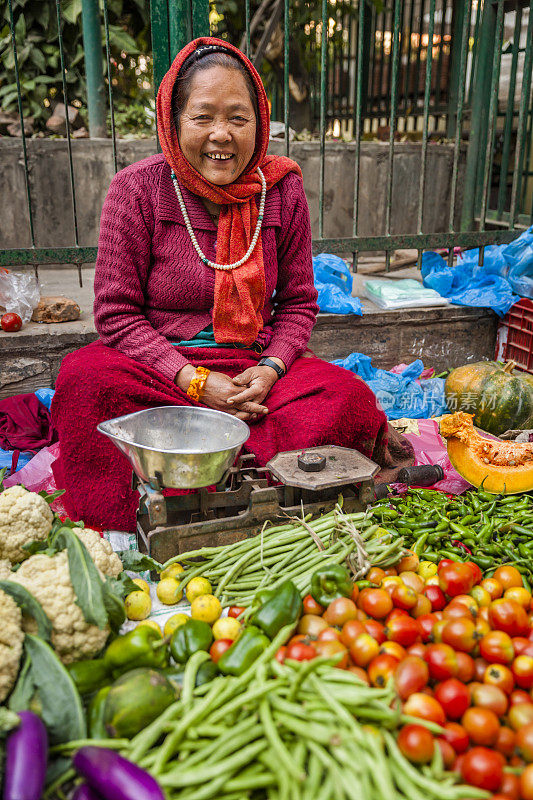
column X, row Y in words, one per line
column 19, row 293
column 430, row 448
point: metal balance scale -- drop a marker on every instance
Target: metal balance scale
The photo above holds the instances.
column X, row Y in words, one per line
column 175, row 447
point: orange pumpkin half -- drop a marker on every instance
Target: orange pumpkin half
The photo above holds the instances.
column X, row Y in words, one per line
column 501, row 467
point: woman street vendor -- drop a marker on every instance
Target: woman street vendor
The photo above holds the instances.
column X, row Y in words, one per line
column 204, row 295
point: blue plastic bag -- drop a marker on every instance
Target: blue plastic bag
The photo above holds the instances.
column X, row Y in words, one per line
column 518, row 256
column 45, row 396
column 400, row 395
column 468, row 284
column 334, row 282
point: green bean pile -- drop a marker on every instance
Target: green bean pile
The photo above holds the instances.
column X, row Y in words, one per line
column 294, row 731
column 489, row 529
column 288, row 552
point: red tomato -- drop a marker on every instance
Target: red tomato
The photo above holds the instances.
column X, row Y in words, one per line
column 486, row 696
column 299, row 651
column 281, row 654
column 350, row 631
column 442, row 661
column 403, row 630
column 404, row 597
column 493, row 587
column 444, row 562
column 505, row 742
column 522, row 668
column 395, row 613
column 219, row 647
column 520, row 714
column 526, row 783
column 329, row 635
column 375, row 575
column 456, row 579
column 482, row 726
column 355, row 593
column 236, row 611
column 447, row 752
column 311, row 625
column 10, row 323
column 409, row 562
column 393, row 649
column 519, row 696
column 416, row 649
column 410, row 676
column 457, row 610
column 522, row 645
column 465, row 667
column 497, row 648
column 381, row 668
column 377, row 603
column 453, row 697
column 476, row 571
column 456, row 735
column 480, row 665
column 460, row 634
column 435, row 595
column 416, row 743
column 524, row 742
column 510, row 787
column 501, row 676
column 375, row 629
column 363, row 650
column 426, row 624
column 508, row 616
column 311, row 606
column 340, row 611
column 508, row 576
column 331, row 649
column 423, row 606
column 424, row 707
column 483, row 768
column 361, row 674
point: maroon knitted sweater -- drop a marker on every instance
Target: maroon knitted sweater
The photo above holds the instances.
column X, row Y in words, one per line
column 151, row 287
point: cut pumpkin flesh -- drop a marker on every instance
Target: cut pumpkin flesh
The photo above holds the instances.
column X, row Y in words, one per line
column 499, row 466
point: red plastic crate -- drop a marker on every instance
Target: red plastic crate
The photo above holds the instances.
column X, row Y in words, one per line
column 515, row 336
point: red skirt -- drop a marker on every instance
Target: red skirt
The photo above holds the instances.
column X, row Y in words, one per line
column 316, row 403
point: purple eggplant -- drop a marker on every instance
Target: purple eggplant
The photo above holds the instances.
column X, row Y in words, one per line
column 114, row 777
column 26, row 758
column 84, row 792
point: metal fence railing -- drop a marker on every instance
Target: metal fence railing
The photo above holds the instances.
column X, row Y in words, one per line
column 446, row 72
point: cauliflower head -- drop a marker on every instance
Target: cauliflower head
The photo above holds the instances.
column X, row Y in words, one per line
column 24, row 517
column 5, row 569
column 100, row 551
column 47, row 578
column 11, row 639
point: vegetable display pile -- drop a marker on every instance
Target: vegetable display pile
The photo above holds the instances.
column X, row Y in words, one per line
column 292, row 551
column 489, row 529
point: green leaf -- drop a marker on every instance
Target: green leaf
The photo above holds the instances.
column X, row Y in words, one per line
column 39, row 546
column 29, row 605
column 20, row 28
column 62, row 709
column 20, row 697
column 121, row 40
column 71, row 10
column 2, row 476
column 114, row 605
column 44, row 494
column 138, row 562
column 9, row 720
column 85, row 578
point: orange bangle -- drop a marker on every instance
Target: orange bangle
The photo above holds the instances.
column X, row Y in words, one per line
column 196, row 386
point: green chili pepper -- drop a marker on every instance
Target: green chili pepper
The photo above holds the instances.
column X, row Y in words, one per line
column 419, row 544
column 194, row 635
column 330, row 583
column 95, row 714
column 90, row 675
column 243, row 652
column 141, row 647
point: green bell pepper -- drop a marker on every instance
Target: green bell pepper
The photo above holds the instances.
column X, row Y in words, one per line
column 206, row 672
column 279, row 607
column 90, row 675
column 95, row 714
column 141, row 647
column 243, row 652
column 330, row 583
column 194, row 635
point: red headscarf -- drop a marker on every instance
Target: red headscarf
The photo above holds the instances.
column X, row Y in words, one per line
column 239, row 293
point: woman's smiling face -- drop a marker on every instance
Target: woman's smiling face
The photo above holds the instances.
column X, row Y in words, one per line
column 217, row 125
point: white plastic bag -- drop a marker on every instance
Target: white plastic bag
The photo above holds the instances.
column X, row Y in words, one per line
column 19, row 293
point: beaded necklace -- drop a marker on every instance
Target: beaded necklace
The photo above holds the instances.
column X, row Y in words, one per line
column 188, row 225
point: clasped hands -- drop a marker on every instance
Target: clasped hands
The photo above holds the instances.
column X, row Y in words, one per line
column 241, row 396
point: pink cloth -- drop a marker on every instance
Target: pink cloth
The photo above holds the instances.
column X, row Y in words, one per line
column 152, row 289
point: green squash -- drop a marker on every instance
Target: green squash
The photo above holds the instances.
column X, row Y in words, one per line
column 499, row 398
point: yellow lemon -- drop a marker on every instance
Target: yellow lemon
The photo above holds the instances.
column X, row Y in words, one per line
column 168, row 591
column 151, row 623
column 143, row 586
column 172, row 571
column 196, row 587
column 226, row 628
column 206, row 608
column 426, row 569
column 173, row 622
column 138, row 605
